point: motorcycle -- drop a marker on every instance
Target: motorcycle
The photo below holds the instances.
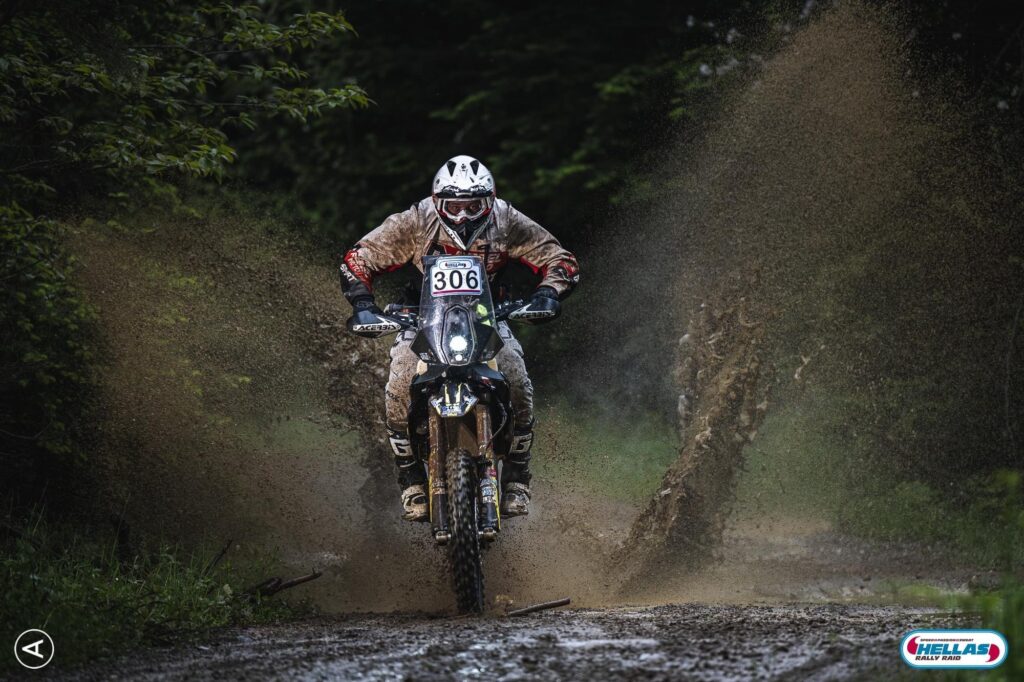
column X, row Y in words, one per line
column 461, row 418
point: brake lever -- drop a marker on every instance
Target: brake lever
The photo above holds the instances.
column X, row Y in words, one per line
column 404, row 315
column 502, row 313
column 407, row 320
column 534, row 311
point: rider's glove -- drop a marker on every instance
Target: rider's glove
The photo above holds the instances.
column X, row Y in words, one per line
column 545, row 298
column 361, row 303
column 544, row 292
column 369, row 320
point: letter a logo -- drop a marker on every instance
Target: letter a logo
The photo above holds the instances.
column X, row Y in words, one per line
column 33, row 649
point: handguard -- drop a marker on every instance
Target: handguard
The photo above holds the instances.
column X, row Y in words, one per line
column 540, row 309
column 371, row 325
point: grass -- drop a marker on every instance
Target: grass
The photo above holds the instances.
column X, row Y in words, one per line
column 988, row 532
column 97, row 598
column 799, row 467
column 601, row 450
column 1001, row 610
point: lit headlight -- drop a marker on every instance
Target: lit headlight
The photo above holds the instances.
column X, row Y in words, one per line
column 458, row 341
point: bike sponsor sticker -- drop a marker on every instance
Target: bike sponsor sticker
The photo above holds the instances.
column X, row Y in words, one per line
column 456, row 277
column 376, row 327
column 953, row 649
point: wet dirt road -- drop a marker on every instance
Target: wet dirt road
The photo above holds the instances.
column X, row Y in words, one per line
column 805, row 642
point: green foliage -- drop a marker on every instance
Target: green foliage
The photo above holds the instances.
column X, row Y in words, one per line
column 901, row 346
column 1001, row 610
column 44, row 353
column 986, row 532
column 98, row 598
column 808, row 462
column 569, row 108
column 101, row 104
column 118, row 87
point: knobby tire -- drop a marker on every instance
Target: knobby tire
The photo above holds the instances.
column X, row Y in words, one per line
column 464, row 543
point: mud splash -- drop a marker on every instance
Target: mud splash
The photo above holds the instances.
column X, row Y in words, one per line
column 833, row 160
column 723, row 400
column 237, row 407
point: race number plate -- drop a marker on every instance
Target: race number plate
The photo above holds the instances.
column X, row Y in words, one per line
column 456, row 277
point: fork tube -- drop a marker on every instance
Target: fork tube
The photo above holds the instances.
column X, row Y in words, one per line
column 438, row 484
column 488, row 476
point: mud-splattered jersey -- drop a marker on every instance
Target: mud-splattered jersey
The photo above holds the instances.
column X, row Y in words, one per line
column 408, row 236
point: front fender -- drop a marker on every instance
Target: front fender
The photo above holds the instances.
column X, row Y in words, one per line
column 454, row 399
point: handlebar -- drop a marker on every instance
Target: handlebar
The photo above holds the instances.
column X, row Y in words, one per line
column 408, row 315
column 404, row 315
column 502, row 310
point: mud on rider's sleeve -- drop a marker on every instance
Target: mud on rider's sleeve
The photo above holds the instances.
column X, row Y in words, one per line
column 537, row 249
column 386, row 248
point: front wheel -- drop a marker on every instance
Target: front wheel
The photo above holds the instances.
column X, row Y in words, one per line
column 464, row 543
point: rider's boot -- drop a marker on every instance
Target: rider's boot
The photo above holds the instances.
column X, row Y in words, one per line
column 412, row 478
column 515, row 475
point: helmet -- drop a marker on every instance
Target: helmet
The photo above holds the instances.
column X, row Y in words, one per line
column 463, row 195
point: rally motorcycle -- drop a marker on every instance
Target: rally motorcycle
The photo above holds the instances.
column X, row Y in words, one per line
column 461, row 419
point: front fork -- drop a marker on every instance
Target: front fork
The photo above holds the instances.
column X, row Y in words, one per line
column 489, row 517
column 437, row 480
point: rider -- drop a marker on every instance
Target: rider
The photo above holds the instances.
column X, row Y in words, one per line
column 462, row 216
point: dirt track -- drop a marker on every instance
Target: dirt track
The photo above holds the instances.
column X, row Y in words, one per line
column 774, row 607
column 806, row 642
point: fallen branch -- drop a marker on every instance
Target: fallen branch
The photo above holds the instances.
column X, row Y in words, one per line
column 264, row 589
column 271, row 586
column 543, row 606
column 287, row 584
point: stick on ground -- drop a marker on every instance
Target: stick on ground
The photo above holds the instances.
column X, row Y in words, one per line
column 564, row 601
column 272, row 586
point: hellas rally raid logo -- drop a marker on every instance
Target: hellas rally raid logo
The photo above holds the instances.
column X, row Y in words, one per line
column 953, row 649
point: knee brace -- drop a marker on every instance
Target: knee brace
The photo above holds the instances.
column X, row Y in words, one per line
column 410, row 468
column 516, row 467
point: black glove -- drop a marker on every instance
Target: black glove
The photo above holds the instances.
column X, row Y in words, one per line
column 361, row 303
column 544, row 299
column 544, row 292
column 368, row 320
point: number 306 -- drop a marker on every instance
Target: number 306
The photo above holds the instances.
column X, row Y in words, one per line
column 456, row 279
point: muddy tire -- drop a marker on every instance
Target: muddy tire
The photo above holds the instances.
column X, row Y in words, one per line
column 464, row 544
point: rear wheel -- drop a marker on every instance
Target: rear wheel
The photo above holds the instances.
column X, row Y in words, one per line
column 464, row 543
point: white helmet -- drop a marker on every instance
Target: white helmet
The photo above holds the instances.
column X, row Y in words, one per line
column 463, row 194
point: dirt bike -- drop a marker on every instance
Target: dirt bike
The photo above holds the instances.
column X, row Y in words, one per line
column 461, row 419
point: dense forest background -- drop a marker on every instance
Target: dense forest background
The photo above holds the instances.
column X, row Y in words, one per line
column 112, row 105
column 326, row 117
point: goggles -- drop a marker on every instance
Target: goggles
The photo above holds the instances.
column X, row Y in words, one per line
column 459, row 211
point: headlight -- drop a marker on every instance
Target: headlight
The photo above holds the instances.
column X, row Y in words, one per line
column 458, row 340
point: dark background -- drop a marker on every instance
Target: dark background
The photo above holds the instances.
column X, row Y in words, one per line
column 580, row 113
